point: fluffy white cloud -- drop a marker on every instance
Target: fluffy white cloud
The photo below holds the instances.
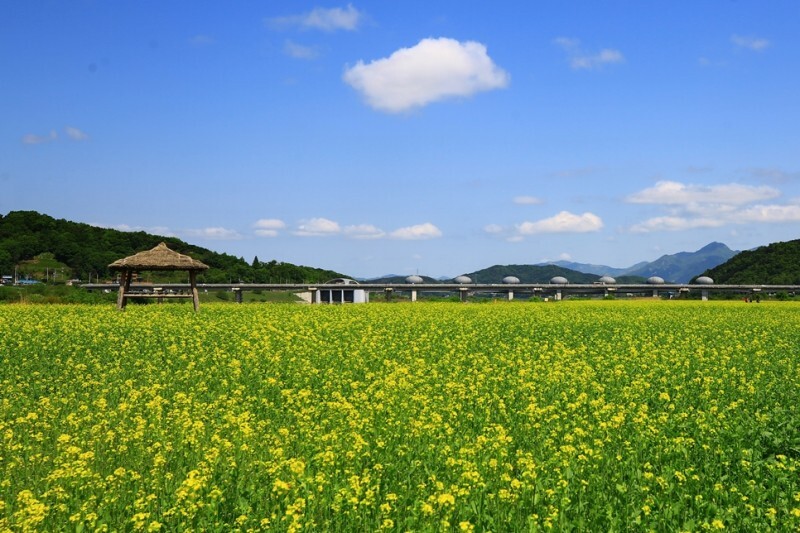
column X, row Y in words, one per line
column 268, row 227
column 364, row 231
column 751, row 43
column 770, row 213
column 318, row 227
column 580, row 59
column 417, row 232
column 674, row 193
column 75, row 134
column 527, row 200
column 214, row 233
column 563, row 222
column 702, row 206
column 432, row 70
column 325, row 19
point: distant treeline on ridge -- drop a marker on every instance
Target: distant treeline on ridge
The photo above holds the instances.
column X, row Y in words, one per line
column 87, row 250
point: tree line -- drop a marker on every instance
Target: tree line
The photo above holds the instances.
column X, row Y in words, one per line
column 88, row 250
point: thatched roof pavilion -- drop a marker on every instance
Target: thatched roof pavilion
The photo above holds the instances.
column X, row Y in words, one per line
column 159, row 258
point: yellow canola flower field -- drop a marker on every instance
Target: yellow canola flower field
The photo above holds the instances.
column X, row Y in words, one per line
column 595, row 416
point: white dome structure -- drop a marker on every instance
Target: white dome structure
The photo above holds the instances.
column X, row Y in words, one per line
column 414, row 279
column 704, row 280
column 510, row 280
column 463, row 279
column 559, row 280
column 655, row 280
column 607, row 280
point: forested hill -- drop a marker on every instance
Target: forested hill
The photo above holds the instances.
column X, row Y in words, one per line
column 530, row 274
column 775, row 264
column 87, row 249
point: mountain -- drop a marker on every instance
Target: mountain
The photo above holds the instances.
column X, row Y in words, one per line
column 677, row 268
column 775, row 264
column 88, row 250
column 396, row 278
column 600, row 270
column 684, row 266
column 530, row 274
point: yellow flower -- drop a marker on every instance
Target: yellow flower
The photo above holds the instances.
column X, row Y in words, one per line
column 446, row 499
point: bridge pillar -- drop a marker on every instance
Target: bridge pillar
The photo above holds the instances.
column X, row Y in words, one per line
column 388, row 292
column 704, row 295
column 237, row 293
column 558, row 295
column 413, row 295
column 463, row 294
column 655, row 293
column 510, row 295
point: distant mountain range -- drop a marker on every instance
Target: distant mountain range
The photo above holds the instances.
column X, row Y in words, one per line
column 677, row 268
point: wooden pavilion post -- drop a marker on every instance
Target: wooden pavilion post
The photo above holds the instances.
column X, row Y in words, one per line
column 123, row 276
column 195, row 295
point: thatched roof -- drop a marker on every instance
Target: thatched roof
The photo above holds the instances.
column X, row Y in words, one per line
column 159, row 258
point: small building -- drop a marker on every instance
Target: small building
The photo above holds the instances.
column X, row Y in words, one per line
column 349, row 293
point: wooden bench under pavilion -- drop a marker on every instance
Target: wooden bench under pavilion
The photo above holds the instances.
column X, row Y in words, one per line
column 159, row 258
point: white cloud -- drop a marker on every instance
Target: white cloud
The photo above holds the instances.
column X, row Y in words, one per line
column 581, row 59
column 417, row 232
column 751, row 43
column 214, row 233
column 318, row 227
column 711, row 206
column 364, row 231
column 770, row 213
column 563, row 222
column 298, row 51
column 325, row 19
column 432, row 70
column 564, row 256
column 75, row 134
column 493, row 229
column 154, row 230
column 31, row 138
column 675, row 223
column 268, row 227
column 527, row 200
column 675, row 193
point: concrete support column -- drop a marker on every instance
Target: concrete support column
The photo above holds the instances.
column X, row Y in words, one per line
column 558, row 295
column 463, row 294
column 510, row 295
column 655, row 293
column 388, row 292
column 413, row 295
column 237, row 294
column 704, row 295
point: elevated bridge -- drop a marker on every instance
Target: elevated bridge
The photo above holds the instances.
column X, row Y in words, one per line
column 556, row 291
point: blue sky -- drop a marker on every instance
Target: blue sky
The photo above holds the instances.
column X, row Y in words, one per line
column 408, row 137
